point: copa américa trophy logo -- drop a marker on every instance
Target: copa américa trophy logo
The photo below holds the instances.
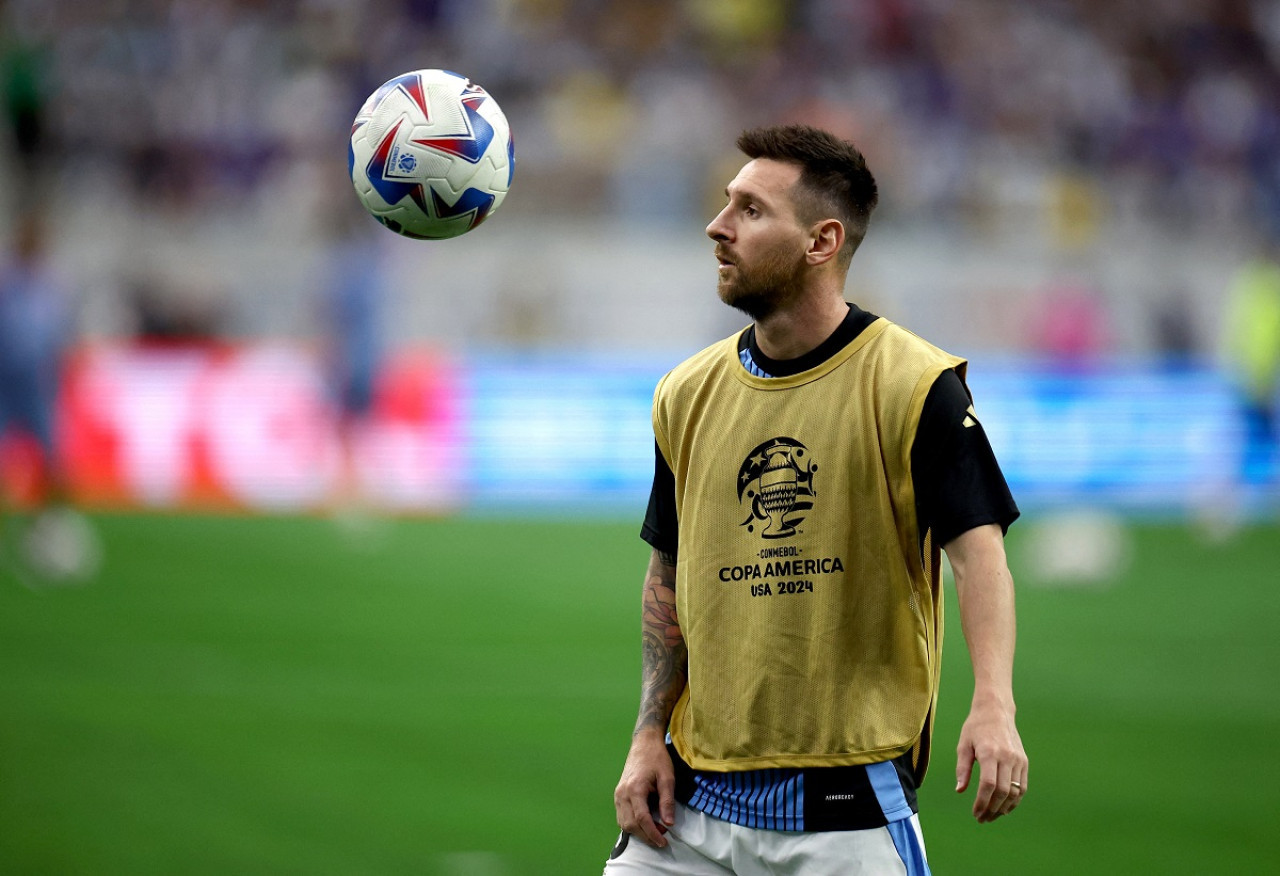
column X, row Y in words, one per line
column 776, row 479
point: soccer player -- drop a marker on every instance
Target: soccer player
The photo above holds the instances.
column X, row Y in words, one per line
column 33, row 332
column 808, row 472
column 353, row 309
column 35, row 326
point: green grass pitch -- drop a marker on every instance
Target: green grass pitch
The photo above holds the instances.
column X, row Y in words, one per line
column 244, row 695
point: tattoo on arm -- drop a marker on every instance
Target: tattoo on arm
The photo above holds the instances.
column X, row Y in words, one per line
column 664, row 660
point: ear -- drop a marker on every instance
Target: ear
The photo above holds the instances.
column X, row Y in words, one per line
column 825, row 240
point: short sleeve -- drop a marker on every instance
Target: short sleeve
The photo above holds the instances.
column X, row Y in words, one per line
column 957, row 479
column 661, row 528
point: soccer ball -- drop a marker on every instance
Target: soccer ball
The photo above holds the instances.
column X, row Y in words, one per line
column 431, row 155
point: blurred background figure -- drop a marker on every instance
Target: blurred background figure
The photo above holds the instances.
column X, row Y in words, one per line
column 1175, row 329
column 353, row 347
column 1252, row 347
column 1138, row 134
column 34, row 331
column 25, row 88
column 1070, row 322
column 35, row 323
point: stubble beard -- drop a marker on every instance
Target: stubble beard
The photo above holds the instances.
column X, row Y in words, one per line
column 761, row 290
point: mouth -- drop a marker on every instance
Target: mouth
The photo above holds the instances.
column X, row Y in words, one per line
column 725, row 261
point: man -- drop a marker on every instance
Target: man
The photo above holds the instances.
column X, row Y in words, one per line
column 57, row 544
column 33, row 330
column 1252, row 345
column 808, row 470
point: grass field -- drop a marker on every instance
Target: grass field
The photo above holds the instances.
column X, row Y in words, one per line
column 248, row 696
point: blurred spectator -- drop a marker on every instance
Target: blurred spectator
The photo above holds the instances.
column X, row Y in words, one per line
column 980, row 116
column 1175, row 328
column 188, row 97
column 164, row 318
column 352, row 314
column 1252, row 346
column 25, row 90
column 1070, row 321
column 57, row 544
column 34, row 331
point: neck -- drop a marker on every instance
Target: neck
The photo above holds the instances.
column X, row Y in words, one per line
column 791, row 332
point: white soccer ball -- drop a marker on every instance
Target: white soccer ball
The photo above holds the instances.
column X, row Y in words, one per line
column 431, row 155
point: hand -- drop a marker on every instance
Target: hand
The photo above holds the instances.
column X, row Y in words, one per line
column 990, row 737
column 648, row 773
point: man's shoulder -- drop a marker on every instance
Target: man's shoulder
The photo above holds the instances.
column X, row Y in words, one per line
column 694, row 370
column 900, row 348
column 903, row 338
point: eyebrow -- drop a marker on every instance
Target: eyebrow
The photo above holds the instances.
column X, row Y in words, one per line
column 749, row 195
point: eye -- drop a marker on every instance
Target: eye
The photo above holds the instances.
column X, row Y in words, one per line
column 751, row 210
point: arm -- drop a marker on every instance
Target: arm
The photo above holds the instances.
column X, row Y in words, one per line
column 989, row 736
column 648, row 769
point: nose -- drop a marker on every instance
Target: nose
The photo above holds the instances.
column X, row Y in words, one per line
column 718, row 229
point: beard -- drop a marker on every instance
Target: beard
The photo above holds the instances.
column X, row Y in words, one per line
column 761, row 289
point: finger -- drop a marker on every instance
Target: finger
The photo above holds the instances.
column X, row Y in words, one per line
column 645, row 827
column 1017, row 789
column 667, row 799
column 982, row 799
column 1017, row 783
column 1011, row 801
column 993, row 791
column 1008, row 794
column 626, row 820
column 650, row 831
column 640, row 826
column 964, row 768
column 634, row 819
column 652, row 803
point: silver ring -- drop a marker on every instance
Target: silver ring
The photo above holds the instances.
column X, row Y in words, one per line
column 1017, row 785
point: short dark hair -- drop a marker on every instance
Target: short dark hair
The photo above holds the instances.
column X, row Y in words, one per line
column 834, row 179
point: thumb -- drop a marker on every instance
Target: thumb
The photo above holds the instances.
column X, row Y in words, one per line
column 964, row 768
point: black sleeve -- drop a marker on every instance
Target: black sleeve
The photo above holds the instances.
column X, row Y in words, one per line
column 661, row 528
column 958, row 483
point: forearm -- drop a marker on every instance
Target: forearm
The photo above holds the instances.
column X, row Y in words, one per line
column 989, row 736
column 649, row 771
column 664, row 661
column 984, row 589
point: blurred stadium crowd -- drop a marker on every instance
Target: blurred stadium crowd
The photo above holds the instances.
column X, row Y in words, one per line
column 1057, row 124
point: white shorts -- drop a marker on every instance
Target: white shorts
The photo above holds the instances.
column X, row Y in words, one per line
column 699, row 845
